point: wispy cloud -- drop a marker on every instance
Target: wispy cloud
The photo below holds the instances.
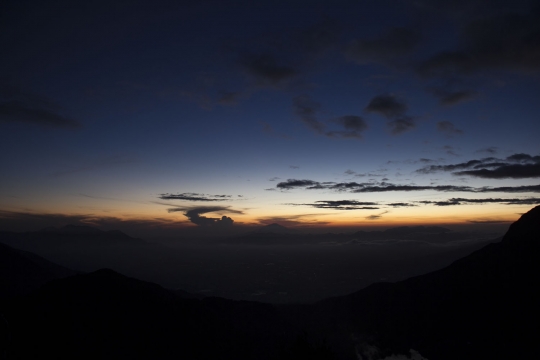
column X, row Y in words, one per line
column 517, row 166
column 356, row 187
column 448, row 128
column 341, row 205
column 376, row 216
column 195, row 197
column 462, row 201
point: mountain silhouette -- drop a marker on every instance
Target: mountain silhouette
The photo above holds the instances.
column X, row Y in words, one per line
column 483, row 306
column 22, row 272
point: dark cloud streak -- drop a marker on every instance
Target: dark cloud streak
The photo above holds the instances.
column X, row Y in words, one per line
column 194, row 197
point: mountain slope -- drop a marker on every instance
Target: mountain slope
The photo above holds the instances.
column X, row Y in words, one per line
column 481, row 306
column 22, row 272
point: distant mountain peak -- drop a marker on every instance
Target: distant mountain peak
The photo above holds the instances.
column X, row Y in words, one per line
column 526, row 228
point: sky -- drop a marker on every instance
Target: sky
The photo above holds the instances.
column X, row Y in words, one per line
column 221, row 115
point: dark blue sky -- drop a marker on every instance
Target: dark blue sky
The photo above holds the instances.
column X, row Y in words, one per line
column 345, row 113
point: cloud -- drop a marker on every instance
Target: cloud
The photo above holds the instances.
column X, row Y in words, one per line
column 450, row 98
column 396, row 205
column 294, row 183
column 462, row 201
column 394, row 110
column 450, row 150
column 341, row 205
column 371, row 187
column 515, row 171
column 448, row 128
column 401, row 125
column 194, row 215
column 395, row 42
column 376, row 216
column 490, row 150
column 194, row 197
column 19, row 106
column 306, row 109
column 266, row 70
column 294, row 167
column 507, row 41
column 387, row 105
column 517, row 166
column 353, row 125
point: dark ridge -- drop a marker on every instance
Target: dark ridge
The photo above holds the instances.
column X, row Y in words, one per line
column 22, row 272
column 483, row 306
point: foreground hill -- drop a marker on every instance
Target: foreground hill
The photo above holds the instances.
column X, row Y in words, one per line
column 483, row 306
column 22, row 272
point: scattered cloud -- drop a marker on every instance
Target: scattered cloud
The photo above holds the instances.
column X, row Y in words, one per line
column 306, row 109
column 450, row 150
column 353, row 127
column 503, row 41
column 342, row 205
column 373, row 187
column 490, row 150
column 401, row 125
column 517, row 166
column 448, row 128
column 387, row 105
column 514, row 171
column 462, row 201
column 194, row 215
column 394, row 110
column 194, row 197
column 401, row 204
column 294, row 183
column 376, row 216
column 266, row 70
column 453, row 97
